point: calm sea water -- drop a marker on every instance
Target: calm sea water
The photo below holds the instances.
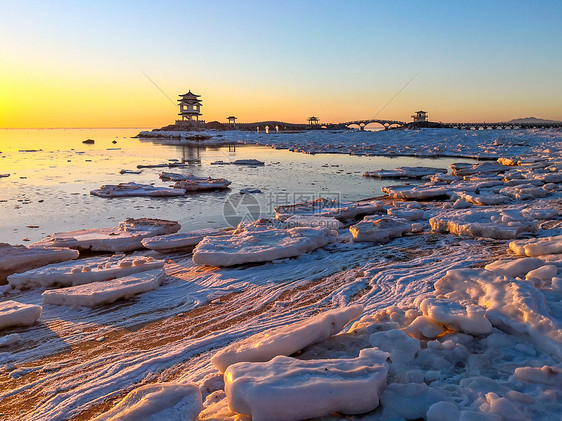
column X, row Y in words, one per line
column 52, row 172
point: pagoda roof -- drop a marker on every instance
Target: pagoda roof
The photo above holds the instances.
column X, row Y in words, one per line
column 421, row 111
column 190, row 100
column 228, row 118
column 190, row 94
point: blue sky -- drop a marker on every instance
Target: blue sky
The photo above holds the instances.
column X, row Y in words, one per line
column 476, row 60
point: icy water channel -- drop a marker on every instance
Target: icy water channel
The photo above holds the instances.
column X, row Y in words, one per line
column 52, row 173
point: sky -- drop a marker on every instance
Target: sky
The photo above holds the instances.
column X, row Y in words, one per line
column 123, row 64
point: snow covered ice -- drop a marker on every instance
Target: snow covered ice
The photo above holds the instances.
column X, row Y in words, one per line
column 134, row 189
column 83, row 271
column 288, row 339
column 155, row 402
column 180, row 241
column 262, row 245
column 491, row 223
column 13, row 313
column 286, row 389
column 105, row 292
column 344, row 211
column 20, row 258
column 405, row 172
column 127, row 236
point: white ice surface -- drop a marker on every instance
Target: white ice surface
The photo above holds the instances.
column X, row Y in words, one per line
column 13, row 313
column 105, row 292
column 127, row 236
column 287, row 389
column 83, row 271
column 344, row 211
column 179, row 241
column 19, row 258
column 260, row 246
column 490, row 223
column 197, row 184
column 379, row 230
column 405, row 172
column 157, row 402
column 537, row 247
column 286, row 340
column 134, row 189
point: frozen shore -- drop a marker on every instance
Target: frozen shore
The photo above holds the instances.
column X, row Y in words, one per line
column 459, row 334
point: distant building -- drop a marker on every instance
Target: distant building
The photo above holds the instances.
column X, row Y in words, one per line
column 190, row 107
column 313, row 120
column 231, row 120
column 420, row 116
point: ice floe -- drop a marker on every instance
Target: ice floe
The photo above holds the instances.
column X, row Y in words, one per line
column 83, row 271
column 105, row 292
column 537, row 246
column 260, row 246
column 134, row 189
column 288, row 339
column 405, row 172
column 408, row 192
column 180, row 241
column 344, row 211
column 127, row 236
column 13, row 313
column 462, row 169
column 198, row 183
column 160, row 401
column 380, row 229
column 19, row 258
column 491, row 223
column 287, row 389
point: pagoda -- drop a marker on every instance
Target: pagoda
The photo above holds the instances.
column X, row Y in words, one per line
column 420, row 116
column 313, row 120
column 190, row 107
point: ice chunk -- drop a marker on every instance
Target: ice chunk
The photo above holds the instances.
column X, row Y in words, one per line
column 343, row 211
column 251, row 162
column 514, row 268
column 490, row 223
column 126, row 237
column 13, row 313
column 424, row 327
column 14, row 259
column 545, row 213
column 470, row 319
column 523, row 192
column 287, row 389
column 260, row 246
column 405, row 172
column 380, row 230
column 462, row 169
column 484, row 199
column 105, row 292
column 134, row 189
column 544, row 273
column 423, row 192
column 406, row 213
column 550, row 375
column 181, row 241
column 313, row 221
column 443, row 411
column 511, row 305
column 156, row 402
column 67, row 274
column 538, row 246
column 198, row 183
column 402, row 348
column 410, row 400
column 288, row 339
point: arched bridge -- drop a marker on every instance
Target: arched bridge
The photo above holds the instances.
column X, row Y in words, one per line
column 385, row 123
